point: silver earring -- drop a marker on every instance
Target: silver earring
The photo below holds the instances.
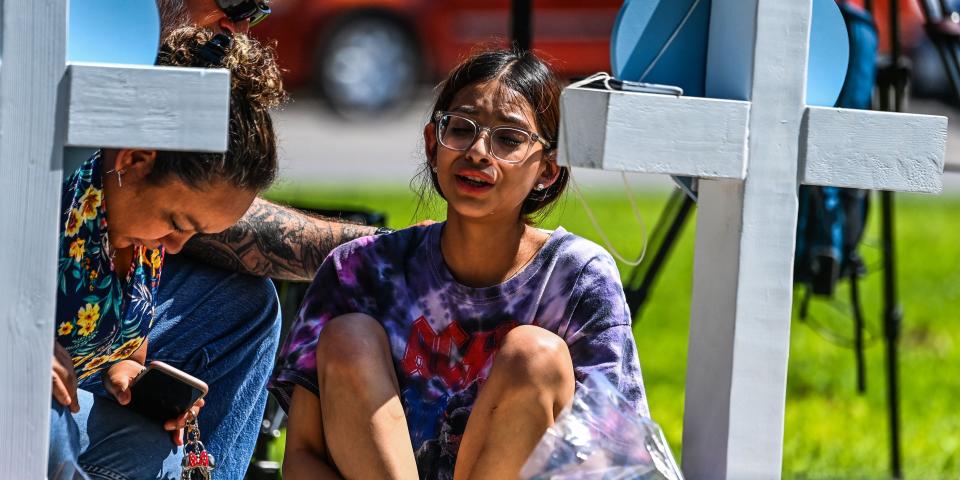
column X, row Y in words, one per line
column 433, row 169
column 540, row 187
column 119, row 173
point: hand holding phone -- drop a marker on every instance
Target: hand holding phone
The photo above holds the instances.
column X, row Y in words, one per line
column 119, row 377
column 164, row 394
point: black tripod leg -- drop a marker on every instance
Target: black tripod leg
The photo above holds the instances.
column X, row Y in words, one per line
column 636, row 297
column 892, row 317
column 892, row 313
column 858, row 332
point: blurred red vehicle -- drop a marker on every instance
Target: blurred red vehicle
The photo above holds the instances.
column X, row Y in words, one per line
column 369, row 54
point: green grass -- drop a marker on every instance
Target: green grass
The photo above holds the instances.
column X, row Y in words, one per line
column 830, row 430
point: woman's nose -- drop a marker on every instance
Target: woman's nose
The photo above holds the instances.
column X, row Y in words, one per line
column 174, row 242
column 479, row 150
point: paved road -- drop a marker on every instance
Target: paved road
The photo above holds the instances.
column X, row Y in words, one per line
column 320, row 147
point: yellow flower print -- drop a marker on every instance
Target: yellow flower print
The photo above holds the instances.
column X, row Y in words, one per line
column 89, row 203
column 94, row 364
column 65, row 328
column 87, row 319
column 73, row 223
column 126, row 349
column 156, row 260
column 78, row 360
column 77, row 249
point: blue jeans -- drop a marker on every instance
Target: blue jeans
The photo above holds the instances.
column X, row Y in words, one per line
column 223, row 328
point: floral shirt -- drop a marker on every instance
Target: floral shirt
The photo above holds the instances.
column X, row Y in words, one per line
column 101, row 318
column 444, row 335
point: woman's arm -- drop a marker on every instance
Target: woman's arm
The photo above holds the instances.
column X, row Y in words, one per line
column 305, row 456
column 275, row 241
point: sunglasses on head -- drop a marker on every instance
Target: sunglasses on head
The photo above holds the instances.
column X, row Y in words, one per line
column 239, row 10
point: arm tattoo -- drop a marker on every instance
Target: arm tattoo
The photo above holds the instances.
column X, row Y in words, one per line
column 275, row 241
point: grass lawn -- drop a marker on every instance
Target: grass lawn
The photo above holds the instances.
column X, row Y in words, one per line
column 830, row 430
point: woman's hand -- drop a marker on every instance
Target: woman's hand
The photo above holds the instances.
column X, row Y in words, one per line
column 64, row 378
column 177, row 425
column 118, row 378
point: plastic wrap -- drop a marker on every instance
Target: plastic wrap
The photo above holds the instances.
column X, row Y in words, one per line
column 600, row 436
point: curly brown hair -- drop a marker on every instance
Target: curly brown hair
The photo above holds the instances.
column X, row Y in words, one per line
column 255, row 86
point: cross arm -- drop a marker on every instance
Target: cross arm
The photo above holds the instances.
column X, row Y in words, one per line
column 651, row 133
column 872, row 150
column 169, row 108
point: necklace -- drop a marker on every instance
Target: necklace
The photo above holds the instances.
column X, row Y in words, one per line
column 515, row 271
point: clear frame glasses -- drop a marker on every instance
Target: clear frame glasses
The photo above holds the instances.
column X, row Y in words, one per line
column 507, row 144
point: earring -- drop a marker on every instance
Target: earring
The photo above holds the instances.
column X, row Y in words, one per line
column 119, row 173
column 433, row 169
column 540, row 187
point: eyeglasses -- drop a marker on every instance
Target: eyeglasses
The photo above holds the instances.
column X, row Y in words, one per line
column 507, row 144
column 240, row 10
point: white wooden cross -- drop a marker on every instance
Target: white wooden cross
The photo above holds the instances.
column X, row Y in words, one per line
column 46, row 105
column 751, row 154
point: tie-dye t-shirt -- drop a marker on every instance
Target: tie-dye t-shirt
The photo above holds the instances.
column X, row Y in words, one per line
column 443, row 335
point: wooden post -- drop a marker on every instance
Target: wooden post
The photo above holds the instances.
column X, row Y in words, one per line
column 743, row 263
column 32, row 52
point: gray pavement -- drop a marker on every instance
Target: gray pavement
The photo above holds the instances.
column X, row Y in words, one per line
column 317, row 146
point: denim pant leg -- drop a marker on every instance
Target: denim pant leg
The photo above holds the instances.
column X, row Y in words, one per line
column 222, row 327
column 63, row 459
column 109, row 442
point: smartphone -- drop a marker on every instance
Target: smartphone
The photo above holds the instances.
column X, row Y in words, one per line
column 162, row 392
column 631, row 86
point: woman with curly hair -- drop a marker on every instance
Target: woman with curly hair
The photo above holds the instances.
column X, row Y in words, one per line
column 122, row 211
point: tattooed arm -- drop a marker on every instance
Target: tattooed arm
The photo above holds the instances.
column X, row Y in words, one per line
column 274, row 241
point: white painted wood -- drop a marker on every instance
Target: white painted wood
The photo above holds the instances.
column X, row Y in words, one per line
column 742, row 294
column 649, row 133
column 873, row 150
column 129, row 106
column 32, row 49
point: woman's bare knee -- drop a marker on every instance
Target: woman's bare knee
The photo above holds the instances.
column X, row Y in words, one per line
column 351, row 346
column 534, row 357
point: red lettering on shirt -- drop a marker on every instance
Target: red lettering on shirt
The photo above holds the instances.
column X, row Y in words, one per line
column 454, row 356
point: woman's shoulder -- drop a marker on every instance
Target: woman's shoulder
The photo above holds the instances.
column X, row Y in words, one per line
column 583, row 254
column 378, row 249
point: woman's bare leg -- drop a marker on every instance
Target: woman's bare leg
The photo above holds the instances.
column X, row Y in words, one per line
column 305, row 454
column 529, row 384
column 363, row 425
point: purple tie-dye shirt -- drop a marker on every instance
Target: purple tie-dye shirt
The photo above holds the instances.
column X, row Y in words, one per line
column 443, row 335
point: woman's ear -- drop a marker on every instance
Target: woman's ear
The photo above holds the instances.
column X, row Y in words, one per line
column 135, row 164
column 430, row 143
column 549, row 170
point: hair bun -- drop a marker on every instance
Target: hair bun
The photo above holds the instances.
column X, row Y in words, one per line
column 255, row 78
